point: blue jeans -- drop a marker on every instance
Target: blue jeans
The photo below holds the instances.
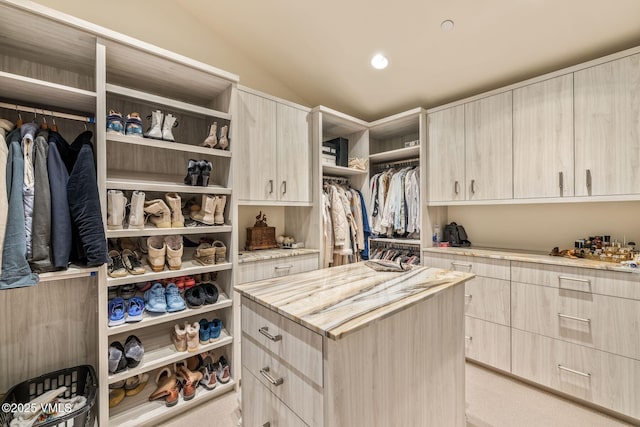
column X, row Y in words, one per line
column 15, row 268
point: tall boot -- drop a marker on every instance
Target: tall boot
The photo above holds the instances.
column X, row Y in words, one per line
column 207, row 210
column 212, row 139
column 136, row 211
column 218, row 218
column 169, row 123
column 175, row 204
column 155, row 131
column 116, row 204
column 223, row 141
column 159, row 213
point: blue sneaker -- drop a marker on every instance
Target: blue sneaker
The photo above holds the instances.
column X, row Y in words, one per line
column 116, row 311
column 204, row 331
column 134, row 125
column 156, row 301
column 135, row 310
column 215, row 327
column 174, row 300
column 115, row 123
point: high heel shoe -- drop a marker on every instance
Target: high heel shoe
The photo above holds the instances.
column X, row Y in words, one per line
column 211, row 140
column 205, row 171
column 193, row 172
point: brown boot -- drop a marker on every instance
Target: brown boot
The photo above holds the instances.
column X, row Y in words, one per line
column 218, row 218
column 191, row 381
column 159, row 213
column 175, row 204
column 207, row 210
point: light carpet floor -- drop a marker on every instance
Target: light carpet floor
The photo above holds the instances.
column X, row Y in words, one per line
column 492, row 400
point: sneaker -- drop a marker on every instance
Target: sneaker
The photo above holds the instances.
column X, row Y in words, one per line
column 115, row 123
column 127, row 291
column 135, row 310
column 117, row 361
column 174, row 300
column 134, row 125
column 215, row 327
column 205, row 334
column 116, row 266
column 223, row 370
column 133, row 351
column 116, row 311
column 155, row 299
column 132, row 262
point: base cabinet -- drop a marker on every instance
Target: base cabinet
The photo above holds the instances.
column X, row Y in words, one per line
column 488, row 343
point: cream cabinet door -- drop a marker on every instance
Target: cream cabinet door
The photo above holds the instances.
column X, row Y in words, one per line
column 607, row 128
column 488, row 145
column 254, row 154
column 294, row 155
column 543, row 139
column 446, row 155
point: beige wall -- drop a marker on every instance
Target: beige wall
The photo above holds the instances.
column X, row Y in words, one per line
column 164, row 24
column 541, row 227
column 247, row 217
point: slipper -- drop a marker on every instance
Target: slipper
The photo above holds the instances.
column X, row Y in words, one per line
column 116, row 311
column 115, row 397
column 117, row 361
column 143, row 379
column 133, row 351
column 135, row 310
column 210, row 293
column 195, row 297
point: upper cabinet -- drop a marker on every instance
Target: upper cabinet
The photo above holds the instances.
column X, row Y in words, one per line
column 607, row 128
column 543, row 139
column 488, row 148
column 275, row 154
column 446, row 155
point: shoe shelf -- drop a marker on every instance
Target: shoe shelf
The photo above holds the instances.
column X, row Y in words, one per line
column 155, row 99
column 158, row 182
column 189, row 267
column 154, row 231
column 150, row 319
column 396, row 241
column 138, row 411
column 72, row 272
column 342, row 171
column 176, row 146
column 166, row 355
column 399, row 154
column 46, row 93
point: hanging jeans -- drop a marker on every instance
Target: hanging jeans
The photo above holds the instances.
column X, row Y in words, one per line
column 4, row 201
column 15, row 268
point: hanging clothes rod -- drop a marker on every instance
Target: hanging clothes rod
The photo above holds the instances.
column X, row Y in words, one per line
column 400, row 163
column 401, row 246
column 47, row 113
column 336, row 179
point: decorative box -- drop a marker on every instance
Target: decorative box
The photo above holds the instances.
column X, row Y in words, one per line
column 261, row 236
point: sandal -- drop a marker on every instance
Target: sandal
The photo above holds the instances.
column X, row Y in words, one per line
column 135, row 310
column 115, row 397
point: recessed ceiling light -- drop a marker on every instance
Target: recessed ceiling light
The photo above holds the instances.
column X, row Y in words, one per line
column 447, row 25
column 379, row 61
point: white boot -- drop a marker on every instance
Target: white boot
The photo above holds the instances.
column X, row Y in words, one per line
column 207, row 210
column 155, row 131
column 136, row 211
column 223, row 142
column 169, row 123
column 212, row 139
column 175, row 204
column 116, row 204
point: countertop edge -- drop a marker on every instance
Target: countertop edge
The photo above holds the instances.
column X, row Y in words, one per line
column 271, row 254
column 539, row 258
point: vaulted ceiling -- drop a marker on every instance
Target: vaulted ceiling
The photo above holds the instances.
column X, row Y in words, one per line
column 322, row 49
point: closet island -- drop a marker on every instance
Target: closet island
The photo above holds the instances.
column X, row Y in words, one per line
column 352, row 346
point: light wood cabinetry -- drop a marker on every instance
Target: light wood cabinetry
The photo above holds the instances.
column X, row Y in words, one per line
column 276, row 153
column 488, row 299
column 543, row 139
column 607, row 128
column 602, row 378
column 267, row 269
column 446, row 158
column 488, row 148
column 488, row 343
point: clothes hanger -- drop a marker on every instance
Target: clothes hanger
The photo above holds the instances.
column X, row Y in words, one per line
column 19, row 122
column 44, row 125
column 54, row 126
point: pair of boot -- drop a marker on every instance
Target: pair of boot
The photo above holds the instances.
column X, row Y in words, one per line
column 187, row 338
column 160, row 215
column 169, row 384
column 132, row 126
column 163, row 250
column 161, row 126
column 213, row 141
column 211, row 210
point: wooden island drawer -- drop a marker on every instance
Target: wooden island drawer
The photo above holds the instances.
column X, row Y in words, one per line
column 602, row 322
column 485, row 267
column 488, row 343
column 265, row 409
column 488, row 299
column 596, row 376
column 270, row 268
column 300, row 347
column 603, row 282
column 300, row 394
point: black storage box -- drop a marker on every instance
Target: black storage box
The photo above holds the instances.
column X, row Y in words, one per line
column 341, row 146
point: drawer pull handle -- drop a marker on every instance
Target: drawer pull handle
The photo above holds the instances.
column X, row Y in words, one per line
column 270, row 186
column 579, row 319
column 468, row 296
column 265, row 373
column 573, row 371
column 473, row 186
column 284, row 267
column 284, row 187
column 468, row 338
column 456, row 187
column 573, row 279
column 265, row 331
column 460, row 264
